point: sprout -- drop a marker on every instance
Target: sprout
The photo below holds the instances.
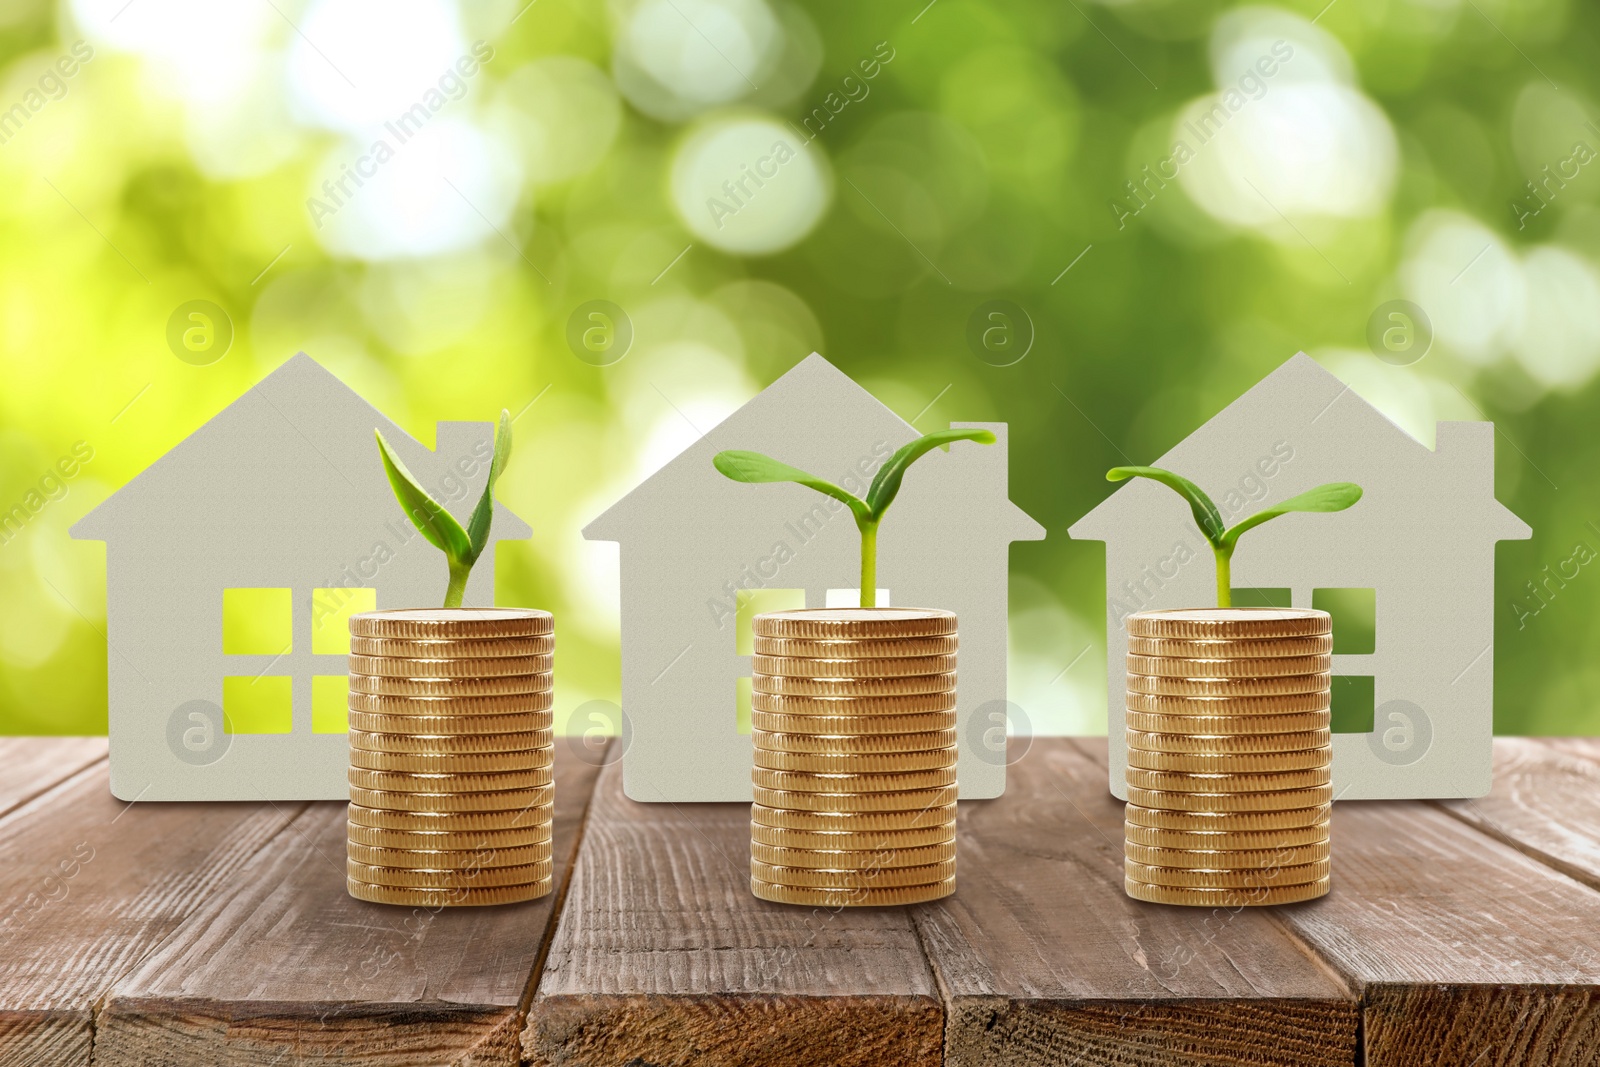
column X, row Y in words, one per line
column 755, row 467
column 461, row 548
column 1335, row 496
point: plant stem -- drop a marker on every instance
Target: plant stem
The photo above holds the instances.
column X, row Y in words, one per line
column 458, row 584
column 869, row 564
column 1224, row 577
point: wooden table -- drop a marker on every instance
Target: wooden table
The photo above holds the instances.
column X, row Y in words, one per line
column 1463, row 933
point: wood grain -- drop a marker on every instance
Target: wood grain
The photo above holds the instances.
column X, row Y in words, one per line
column 30, row 765
column 282, row 960
column 1467, row 952
column 664, row 957
column 90, row 886
column 1046, row 960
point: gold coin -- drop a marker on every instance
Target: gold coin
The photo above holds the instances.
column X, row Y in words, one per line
column 1213, row 624
column 852, row 840
column 1231, row 762
column 1211, row 879
column 503, row 704
column 913, row 704
column 852, row 725
column 1230, row 859
column 1175, row 667
column 448, row 744
column 434, row 624
column 521, row 722
column 1270, row 648
column 532, row 816
column 473, row 669
column 479, row 648
column 1213, row 725
column 847, row 744
column 1282, row 704
column 870, row 878
column 460, row 860
column 796, row 667
column 856, row 647
column 450, row 763
column 417, row 782
column 1227, row 840
column 448, row 840
column 1227, row 898
column 851, row 898
column 1229, row 743
column 815, row 782
column 783, row 685
column 452, row 687
column 445, row 898
column 856, row 763
column 1229, row 687
column 1249, row 822
column 472, row 878
column 1281, row 800
column 855, row 821
column 859, row 860
column 1228, row 782
column 908, row 800
column 506, row 800
column 834, row 624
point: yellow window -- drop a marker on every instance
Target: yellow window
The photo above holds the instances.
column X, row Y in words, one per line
column 330, row 704
column 252, row 705
column 257, row 622
column 753, row 602
column 330, row 618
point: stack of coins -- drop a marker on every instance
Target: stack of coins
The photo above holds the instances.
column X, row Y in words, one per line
column 1229, row 756
column 854, row 723
column 450, row 756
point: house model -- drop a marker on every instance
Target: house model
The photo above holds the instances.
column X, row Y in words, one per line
column 702, row 555
column 233, row 564
column 1408, row 573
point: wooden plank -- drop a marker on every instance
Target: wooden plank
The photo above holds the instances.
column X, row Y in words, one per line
column 664, row 957
column 1046, row 960
column 1467, row 951
column 282, row 960
column 30, row 765
column 91, row 885
column 1545, row 803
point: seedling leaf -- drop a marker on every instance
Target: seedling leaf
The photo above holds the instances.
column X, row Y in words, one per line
column 428, row 515
column 886, row 486
column 1206, row 515
column 742, row 466
column 483, row 514
column 1334, row 496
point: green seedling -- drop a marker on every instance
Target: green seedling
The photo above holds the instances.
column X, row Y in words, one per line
column 461, row 547
column 1335, row 496
column 755, row 467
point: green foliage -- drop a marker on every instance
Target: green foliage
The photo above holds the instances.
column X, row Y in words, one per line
column 743, row 466
column 461, row 548
column 1334, row 496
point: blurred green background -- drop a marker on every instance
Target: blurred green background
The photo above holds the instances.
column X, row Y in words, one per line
column 934, row 158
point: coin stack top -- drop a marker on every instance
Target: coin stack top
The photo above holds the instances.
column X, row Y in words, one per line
column 853, row 715
column 451, row 756
column 1229, row 756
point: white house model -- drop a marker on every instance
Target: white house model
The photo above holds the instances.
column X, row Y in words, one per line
column 1408, row 572
column 701, row 555
column 233, row 563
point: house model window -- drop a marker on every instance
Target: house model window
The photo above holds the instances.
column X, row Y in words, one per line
column 260, row 623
